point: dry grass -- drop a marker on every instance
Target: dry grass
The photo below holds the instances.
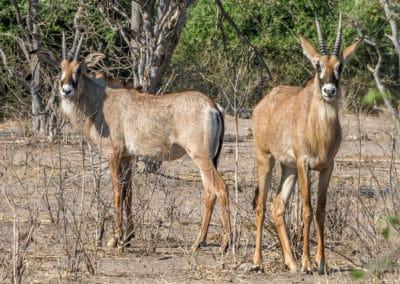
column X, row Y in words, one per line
column 56, row 208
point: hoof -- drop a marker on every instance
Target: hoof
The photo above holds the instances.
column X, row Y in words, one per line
column 226, row 243
column 224, row 248
column 257, row 260
column 291, row 268
column 306, row 271
column 323, row 269
column 306, row 267
column 291, row 265
column 197, row 245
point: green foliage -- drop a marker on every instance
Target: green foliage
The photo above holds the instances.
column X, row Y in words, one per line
column 357, row 274
column 389, row 226
column 391, row 219
column 201, row 59
column 8, row 20
column 372, row 97
column 274, row 28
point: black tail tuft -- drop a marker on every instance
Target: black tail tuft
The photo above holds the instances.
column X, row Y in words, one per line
column 256, row 192
column 221, row 121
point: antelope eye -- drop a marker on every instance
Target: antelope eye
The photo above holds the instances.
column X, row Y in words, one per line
column 318, row 67
column 340, row 68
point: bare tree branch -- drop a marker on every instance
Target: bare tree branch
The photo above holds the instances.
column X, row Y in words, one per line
column 393, row 26
column 376, row 73
column 19, row 20
column 242, row 36
column 11, row 72
column 152, row 34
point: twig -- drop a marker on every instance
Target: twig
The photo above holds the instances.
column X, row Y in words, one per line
column 242, row 36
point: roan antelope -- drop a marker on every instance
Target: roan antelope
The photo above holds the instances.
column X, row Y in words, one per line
column 127, row 124
column 299, row 127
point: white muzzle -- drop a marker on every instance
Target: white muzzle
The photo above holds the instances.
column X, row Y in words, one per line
column 329, row 92
column 67, row 90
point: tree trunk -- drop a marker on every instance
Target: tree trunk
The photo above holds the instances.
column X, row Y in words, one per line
column 38, row 112
column 30, row 40
column 153, row 32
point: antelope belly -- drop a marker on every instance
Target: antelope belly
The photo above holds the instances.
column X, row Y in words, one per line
column 154, row 150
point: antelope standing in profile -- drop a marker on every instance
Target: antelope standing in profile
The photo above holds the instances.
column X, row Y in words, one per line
column 128, row 124
column 299, row 127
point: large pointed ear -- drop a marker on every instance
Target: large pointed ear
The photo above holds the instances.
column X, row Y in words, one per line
column 93, row 58
column 310, row 51
column 46, row 56
column 349, row 52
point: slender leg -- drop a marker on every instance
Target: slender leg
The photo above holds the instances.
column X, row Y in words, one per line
column 116, row 169
column 127, row 197
column 323, row 184
column 265, row 165
column 304, row 184
column 223, row 196
column 210, row 198
column 288, row 181
column 214, row 186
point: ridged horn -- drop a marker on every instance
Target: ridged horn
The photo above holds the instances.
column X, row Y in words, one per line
column 74, row 44
column 78, row 48
column 338, row 42
column 320, row 38
column 64, row 47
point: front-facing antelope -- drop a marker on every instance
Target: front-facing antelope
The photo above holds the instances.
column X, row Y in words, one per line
column 299, row 127
column 126, row 124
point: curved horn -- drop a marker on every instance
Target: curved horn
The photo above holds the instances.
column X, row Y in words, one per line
column 320, row 38
column 64, row 47
column 74, row 44
column 338, row 42
column 78, row 48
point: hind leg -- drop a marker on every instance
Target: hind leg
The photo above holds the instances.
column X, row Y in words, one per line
column 288, row 181
column 210, row 198
column 214, row 186
column 116, row 169
column 127, row 197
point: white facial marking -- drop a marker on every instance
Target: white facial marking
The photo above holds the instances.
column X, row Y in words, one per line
column 336, row 70
column 67, row 90
column 322, row 74
column 329, row 92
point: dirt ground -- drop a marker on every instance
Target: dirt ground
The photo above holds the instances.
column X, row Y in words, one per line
column 55, row 198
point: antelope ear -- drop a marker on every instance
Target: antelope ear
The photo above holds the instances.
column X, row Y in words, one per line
column 46, row 56
column 93, row 58
column 309, row 51
column 349, row 51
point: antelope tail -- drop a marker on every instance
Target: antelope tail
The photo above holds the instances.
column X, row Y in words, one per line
column 256, row 192
column 221, row 132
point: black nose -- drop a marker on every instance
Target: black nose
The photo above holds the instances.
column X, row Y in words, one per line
column 329, row 91
column 67, row 90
